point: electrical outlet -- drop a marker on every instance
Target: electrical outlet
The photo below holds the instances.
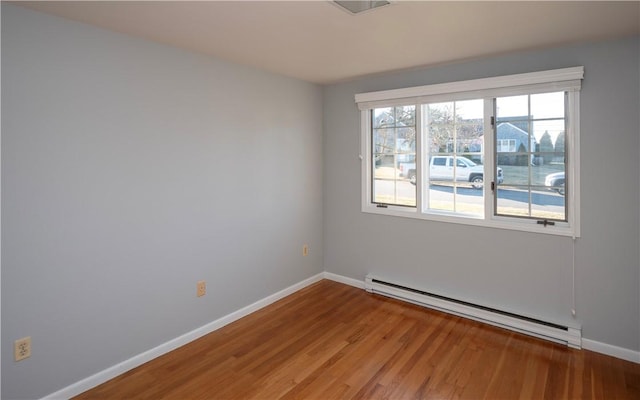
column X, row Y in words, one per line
column 201, row 288
column 305, row 250
column 22, row 348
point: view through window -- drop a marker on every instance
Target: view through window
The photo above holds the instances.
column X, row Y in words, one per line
column 534, row 166
column 394, row 155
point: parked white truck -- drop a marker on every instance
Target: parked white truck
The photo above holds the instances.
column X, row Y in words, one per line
column 441, row 168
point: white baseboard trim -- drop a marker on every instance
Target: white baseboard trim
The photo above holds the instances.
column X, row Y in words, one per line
column 611, row 350
column 344, row 279
column 118, row 369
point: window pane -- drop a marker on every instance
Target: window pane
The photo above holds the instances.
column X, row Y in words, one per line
column 469, row 201
column 406, row 140
column 441, row 138
column 512, row 106
column 441, row 196
column 383, row 117
column 526, row 152
column 470, row 110
column 546, row 205
column 547, row 105
column 390, row 188
column 440, row 113
column 454, row 133
column 405, row 116
column 469, row 137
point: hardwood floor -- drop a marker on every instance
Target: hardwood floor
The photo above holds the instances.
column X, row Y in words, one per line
column 332, row 341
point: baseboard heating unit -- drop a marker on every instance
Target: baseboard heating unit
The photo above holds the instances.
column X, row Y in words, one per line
column 572, row 337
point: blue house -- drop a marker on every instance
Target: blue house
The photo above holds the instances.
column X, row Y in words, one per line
column 512, row 139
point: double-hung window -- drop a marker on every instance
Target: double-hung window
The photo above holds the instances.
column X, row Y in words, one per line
column 501, row 152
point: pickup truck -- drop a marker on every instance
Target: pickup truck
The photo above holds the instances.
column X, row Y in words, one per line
column 441, row 169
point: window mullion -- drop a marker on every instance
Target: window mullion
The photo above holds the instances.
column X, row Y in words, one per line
column 454, row 159
column 530, row 133
column 419, row 151
column 395, row 156
column 489, row 160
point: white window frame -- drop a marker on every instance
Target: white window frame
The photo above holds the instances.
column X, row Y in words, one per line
column 566, row 79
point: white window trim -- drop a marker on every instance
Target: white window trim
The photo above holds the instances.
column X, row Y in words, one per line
column 566, row 79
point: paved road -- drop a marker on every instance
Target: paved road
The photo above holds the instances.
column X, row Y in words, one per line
column 550, row 201
column 537, row 198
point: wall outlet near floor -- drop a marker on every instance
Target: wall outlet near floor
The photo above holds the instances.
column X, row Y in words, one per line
column 305, row 250
column 201, row 288
column 22, row 348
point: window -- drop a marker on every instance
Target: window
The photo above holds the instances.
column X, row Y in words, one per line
column 541, row 120
column 500, row 152
column 506, row 146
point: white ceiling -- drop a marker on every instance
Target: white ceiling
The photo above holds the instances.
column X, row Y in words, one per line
column 318, row 42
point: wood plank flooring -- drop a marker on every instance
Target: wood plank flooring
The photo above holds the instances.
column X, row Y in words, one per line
column 332, row 341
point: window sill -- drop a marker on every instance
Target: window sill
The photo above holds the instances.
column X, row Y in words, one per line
column 560, row 229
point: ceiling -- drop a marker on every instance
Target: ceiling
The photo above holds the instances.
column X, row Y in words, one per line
column 316, row 41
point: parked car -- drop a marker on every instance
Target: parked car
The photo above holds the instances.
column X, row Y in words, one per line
column 555, row 182
column 441, row 168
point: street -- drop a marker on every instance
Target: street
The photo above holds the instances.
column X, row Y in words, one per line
column 544, row 204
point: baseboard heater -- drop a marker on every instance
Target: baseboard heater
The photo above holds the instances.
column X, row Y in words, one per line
column 529, row 326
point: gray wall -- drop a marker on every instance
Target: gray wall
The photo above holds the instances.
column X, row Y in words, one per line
column 517, row 271
column 131, row 170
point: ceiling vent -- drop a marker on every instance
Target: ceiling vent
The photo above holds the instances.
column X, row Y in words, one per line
column 357, row 7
